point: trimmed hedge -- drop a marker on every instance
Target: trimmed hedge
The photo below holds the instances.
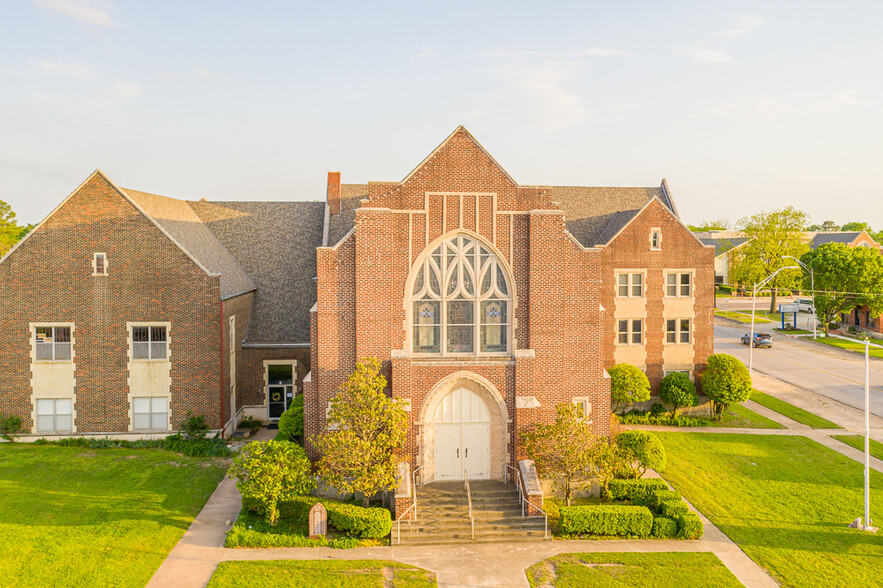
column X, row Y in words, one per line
column 664, row 528
column 672, row 508
column 368, row 523
column 661, row 496
column 637, row 491
column 689, row 526
column 620, row 520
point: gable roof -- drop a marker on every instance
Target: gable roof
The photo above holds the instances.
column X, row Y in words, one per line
column 184, row 226
column 845, row 237
column 275, row 243
column 459, row 130
column 723, row 244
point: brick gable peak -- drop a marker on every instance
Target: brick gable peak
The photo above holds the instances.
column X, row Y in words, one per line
column 618, row 226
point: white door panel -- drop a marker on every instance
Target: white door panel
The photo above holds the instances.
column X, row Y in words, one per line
column 477, row 450
column 448, row 457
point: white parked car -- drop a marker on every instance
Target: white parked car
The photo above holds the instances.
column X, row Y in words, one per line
column 805, row 305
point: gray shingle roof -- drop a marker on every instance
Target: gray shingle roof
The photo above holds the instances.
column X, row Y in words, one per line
column 594, row 215
column 834, row 237
column 723, row 244
column 340, row 224
column 275, row 242
column 184, row 225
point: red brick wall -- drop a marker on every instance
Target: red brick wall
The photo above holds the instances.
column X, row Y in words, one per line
column 240, row 307
column 250, row 384
column 49, row 279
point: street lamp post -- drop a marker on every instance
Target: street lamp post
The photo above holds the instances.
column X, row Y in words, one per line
column 754, row 306
column 812, row 279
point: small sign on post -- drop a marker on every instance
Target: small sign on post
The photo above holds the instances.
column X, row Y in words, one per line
column 318, row 521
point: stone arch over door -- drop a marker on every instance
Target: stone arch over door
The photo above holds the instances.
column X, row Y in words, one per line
column 500, row 422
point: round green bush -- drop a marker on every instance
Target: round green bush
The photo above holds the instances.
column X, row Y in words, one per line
column 628, row 384
column 664, row 528
column 678, row 390
column 291, row 423
column 726, row 381
column 647, row 449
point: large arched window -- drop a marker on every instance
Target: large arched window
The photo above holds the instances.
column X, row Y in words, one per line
column 460, row 300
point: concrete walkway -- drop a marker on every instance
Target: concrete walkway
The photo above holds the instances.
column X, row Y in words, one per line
column 194, row 559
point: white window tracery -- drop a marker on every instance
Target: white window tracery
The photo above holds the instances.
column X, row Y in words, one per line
column 461, row 300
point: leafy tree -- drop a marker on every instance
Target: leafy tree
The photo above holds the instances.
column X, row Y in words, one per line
column 856, row 226
column 291, row 423
column 611, row 460
column 646, row 448
column 845, row 277
column 272, row 471
column 10, row 232
column 565, row 449
column 772, row 235
column 829, row 226
column 726, row 381
column 360, row 456
column 720, row 224
column 678, row 390
column 628, row 384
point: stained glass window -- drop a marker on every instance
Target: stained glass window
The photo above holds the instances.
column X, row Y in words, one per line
column 460, row 300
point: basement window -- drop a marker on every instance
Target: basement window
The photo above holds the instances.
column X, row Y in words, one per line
column 150, row 413
column 55, row 415
column 99, row 264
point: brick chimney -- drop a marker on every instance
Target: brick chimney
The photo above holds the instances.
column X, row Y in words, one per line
column 333, row 193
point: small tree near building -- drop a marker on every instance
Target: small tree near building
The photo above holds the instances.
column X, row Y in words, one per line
column 628, row 384
column 678, row 390
column 646, row 448
column 564, row 450
column 361, row 454
column 270, row 472
column 726, row 381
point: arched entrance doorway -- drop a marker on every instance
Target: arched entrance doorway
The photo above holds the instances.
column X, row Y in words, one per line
column 462, row 433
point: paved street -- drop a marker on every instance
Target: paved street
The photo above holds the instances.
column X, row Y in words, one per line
column 831, row 372
column 804, row 319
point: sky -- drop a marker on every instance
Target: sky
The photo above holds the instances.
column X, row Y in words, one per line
column 743, row 106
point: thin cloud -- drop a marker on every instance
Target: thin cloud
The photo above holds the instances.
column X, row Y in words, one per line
column 90, row 12
column 702, row 54
column 421, row 54
column 572, row 54
column 60, row 68
column 741, row 25
column 766, row 109
column 122, row 91
column 207, row 75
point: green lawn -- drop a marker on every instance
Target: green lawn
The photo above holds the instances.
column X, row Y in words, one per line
column 792, row 412
column 744, row 418
column 858, row 441
column 251, row 530
column 600, row 570
column 320, row 574
column 108, row 517
column 744, row 317
column 855, row 346
column 786, row 500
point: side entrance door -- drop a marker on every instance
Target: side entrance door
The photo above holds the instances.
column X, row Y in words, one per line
column 462, row 437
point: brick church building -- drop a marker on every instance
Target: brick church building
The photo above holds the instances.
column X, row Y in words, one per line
column 488, row 302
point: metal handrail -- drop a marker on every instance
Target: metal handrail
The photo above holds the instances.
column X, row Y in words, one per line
column 407, row 510
column 524, row 499
column 469, row 500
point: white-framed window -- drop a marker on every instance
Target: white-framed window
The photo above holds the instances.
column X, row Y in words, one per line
column 99, row 264
column 678, row 331
column 655, row 238
column 150, row 413
column 585, row 405
column 679, row 284
column 52, row 343
column 55, row 415
column 630, row 284
column 149, row 342
column 688, row 372
column 460, row 300
column 630, row 332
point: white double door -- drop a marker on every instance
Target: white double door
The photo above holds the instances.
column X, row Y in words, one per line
column 462, row 437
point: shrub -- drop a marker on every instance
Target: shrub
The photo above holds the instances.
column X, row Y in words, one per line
column 726, row 381
column 660, row 496
column 194, row 427
column 9, row 425
column 249, row 422
column 636, row 491
column 270, row 472
column 627, row 384
column 291, row 423
column 672, row 508
column 368, row 523
column 689, row 526
column 647, row 449
column 657, row 409
column 678, row 390
column 639, row 417
column 664, row 528
column 197, row 447
column 621, row 520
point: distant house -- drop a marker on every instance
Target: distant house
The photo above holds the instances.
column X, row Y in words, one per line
column 725, row 243
column 848, row 238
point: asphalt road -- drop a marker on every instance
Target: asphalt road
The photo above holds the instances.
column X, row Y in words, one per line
column 804, row 319
column 826, row 371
